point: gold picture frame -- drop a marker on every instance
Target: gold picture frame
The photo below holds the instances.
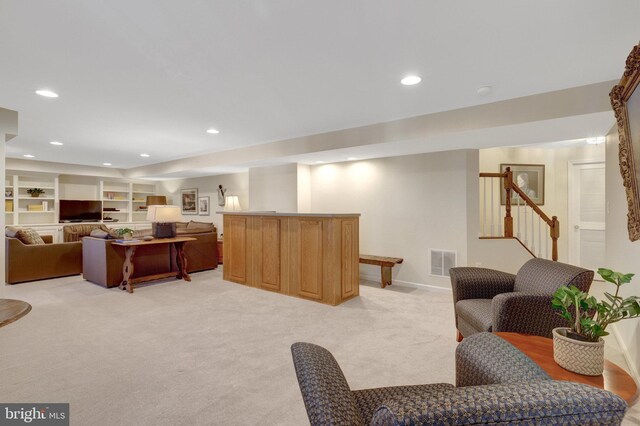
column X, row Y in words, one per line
column 529, row 178
column 626, row 106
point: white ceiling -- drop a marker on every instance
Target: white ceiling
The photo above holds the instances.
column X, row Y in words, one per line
column 151, row 76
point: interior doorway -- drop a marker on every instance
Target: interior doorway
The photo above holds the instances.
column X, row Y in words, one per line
column 586, row 210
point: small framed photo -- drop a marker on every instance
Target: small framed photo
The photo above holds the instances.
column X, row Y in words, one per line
column 203, row 206
column 529, row 178
column 189, row 198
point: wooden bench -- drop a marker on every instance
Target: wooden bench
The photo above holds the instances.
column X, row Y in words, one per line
column 385, row 263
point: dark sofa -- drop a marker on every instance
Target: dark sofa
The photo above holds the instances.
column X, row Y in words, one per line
column 102, row 261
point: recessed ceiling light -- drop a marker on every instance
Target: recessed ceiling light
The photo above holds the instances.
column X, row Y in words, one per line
column 596, row 141
column 107, row 164
column 213, row 131
column 28, row 156
column 319, row 162
column 410, row 80
column 47, row 93
column 484, row 90
column 56, row 143
column 145, row 155
column 351, row 159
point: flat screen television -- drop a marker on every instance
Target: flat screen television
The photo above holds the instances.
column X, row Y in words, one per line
column 80, row 211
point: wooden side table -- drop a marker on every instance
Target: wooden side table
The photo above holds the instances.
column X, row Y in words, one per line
column 220, row 251
column 12, row 310
column 540, row 350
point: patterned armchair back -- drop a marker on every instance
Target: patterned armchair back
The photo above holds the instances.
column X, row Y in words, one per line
column 541, row 276
column 325, row 390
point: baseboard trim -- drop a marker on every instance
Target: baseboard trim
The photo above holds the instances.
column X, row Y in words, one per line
column 423, row 286
column 625, row 352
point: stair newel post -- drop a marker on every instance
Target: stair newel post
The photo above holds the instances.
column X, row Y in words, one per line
column 508, row 220
column 555, row 233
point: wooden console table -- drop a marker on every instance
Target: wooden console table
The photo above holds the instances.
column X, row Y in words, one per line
column 540, row 350
column 130, row 250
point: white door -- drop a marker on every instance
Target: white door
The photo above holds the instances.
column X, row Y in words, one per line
column 587, row 214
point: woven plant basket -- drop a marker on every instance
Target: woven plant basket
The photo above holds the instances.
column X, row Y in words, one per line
column 580, row 357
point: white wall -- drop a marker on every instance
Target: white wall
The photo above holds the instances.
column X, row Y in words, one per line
column 556, row 161
column 8, row 128
column 304, row 188
column 274, row 188
column 236, row 184
column 408, row 204
column 622, row 255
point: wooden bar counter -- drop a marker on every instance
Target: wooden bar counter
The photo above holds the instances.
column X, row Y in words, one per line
column 312, row 256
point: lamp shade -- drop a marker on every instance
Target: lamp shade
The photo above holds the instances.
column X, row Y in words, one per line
column 164, row 214
column 156, row 200
column 232, row 204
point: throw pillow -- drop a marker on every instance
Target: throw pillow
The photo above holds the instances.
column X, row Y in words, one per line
column 29, row 236
column 181, row 225
column 143, row 233
column 11, row 231
column 99, row 233
column 200, row 226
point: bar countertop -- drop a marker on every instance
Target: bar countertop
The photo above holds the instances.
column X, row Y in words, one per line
column 273, row 213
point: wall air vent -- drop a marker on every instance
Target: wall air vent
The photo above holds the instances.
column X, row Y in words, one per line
column 442, row 261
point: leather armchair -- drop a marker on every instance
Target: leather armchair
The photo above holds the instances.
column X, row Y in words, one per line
column 489, row 300
column 513, row 390
column 28, row 262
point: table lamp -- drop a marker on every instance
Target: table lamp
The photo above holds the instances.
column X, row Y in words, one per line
column 164, row 220
column 232, row 204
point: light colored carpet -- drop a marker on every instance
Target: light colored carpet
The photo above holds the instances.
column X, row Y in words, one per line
column 210, row 352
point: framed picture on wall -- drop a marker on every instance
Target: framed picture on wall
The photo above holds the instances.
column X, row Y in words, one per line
column 203, row 206
column 189, row 199
column 529, row 178
column 625, row 100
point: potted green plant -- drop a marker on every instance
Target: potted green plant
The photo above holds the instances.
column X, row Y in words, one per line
column 580, row 348
column 125, row 233
column 35, row 192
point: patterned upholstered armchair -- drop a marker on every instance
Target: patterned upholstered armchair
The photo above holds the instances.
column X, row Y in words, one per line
column 489, row 300
column 73, row 233
column 513, row 391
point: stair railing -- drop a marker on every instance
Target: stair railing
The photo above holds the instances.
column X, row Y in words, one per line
column 521, row 218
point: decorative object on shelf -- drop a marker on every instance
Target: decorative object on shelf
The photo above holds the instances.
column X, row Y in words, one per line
column 232, row 204
column 8, row 193
column 625, row 100
column 203, row 206
column 580, row 348
column 164, row 220
column 189, row 199
column 529, row 178
column 156, row 200
column 35, row 192
column 221, row 192
column 8, row 205
column 125, row 233
column 34, row 208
